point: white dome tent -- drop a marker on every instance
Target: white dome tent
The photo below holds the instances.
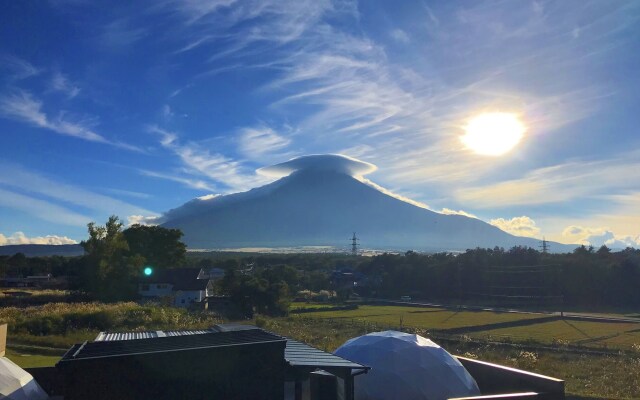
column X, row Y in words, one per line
column 408, row 367
column 18, row 384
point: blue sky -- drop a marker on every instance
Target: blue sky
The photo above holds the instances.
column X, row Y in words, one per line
column 133, row 108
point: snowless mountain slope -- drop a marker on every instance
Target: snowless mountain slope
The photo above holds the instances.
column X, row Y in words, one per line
column 321, row 203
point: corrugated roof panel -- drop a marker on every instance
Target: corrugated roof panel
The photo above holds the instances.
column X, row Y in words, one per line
column 112, row 336
column 300, row 354
column 185, row 333
column 115, row 336
column 134, row 343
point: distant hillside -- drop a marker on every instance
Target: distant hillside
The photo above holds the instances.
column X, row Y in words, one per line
column 40, row 250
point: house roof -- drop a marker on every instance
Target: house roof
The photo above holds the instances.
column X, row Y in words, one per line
column 112, row 345
column 296, row 354
column 179, row 278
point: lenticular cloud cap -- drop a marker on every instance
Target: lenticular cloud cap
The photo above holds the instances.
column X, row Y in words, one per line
column 320, row 162
column 405, row 366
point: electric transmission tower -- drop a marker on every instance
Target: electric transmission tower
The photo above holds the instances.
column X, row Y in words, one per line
column 354, row 245
column 545, row 246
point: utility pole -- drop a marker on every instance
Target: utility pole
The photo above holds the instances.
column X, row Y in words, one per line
column 354, row 245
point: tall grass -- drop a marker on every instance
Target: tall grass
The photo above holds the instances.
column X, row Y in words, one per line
column 62, row 324
column 30, row 297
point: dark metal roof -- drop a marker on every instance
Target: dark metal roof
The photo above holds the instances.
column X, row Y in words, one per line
column 296, row 354
column 127, row 347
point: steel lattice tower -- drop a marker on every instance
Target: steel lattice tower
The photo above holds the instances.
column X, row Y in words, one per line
column 354, row 245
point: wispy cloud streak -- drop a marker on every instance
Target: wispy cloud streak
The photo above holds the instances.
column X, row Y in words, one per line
column 42, row 209
column 22, row 106
column 18, row 68
column 558, row 183
column 61, row 83
column 199, row 160
column 30, row 182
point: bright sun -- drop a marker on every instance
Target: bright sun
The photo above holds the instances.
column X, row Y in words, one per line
column 493, row 134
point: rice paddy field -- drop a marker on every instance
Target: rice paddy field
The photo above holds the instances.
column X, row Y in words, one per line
column 495, row 326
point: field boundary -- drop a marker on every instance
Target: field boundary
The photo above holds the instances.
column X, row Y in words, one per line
column 561, row 315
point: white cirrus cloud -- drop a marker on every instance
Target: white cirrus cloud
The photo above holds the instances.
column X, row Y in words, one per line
column 558, row 183
column 46, row 187
column 197, row 184
column 50, row 199
column 17, row 67
column 167, row 112
column 42, row 209
column 22, row 106
column 195, row 10
column 260, row 141
column 121, row 33
column 400, row 36
column 61, row 83
column 518, row 226
column 21, row 238
column 199, row 160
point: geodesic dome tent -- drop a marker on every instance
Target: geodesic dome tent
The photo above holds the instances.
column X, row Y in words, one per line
column 408, row 367
column 18, row 384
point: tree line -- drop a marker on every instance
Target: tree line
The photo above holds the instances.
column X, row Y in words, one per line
column 584, row 278
column 115, row 258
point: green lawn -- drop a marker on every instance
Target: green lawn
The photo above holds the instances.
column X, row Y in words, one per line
column 31, row 359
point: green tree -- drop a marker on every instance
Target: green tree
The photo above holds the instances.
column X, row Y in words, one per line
column 110, row 268
column 161, row 247
column 18, row 264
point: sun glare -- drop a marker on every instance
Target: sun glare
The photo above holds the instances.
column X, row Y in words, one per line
column 493, row 134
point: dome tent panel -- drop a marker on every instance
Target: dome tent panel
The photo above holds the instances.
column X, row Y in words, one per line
column 18, row 384
column 406, row 366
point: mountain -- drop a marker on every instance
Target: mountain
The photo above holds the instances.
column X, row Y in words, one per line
column 41, row 250
column 320, row 202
